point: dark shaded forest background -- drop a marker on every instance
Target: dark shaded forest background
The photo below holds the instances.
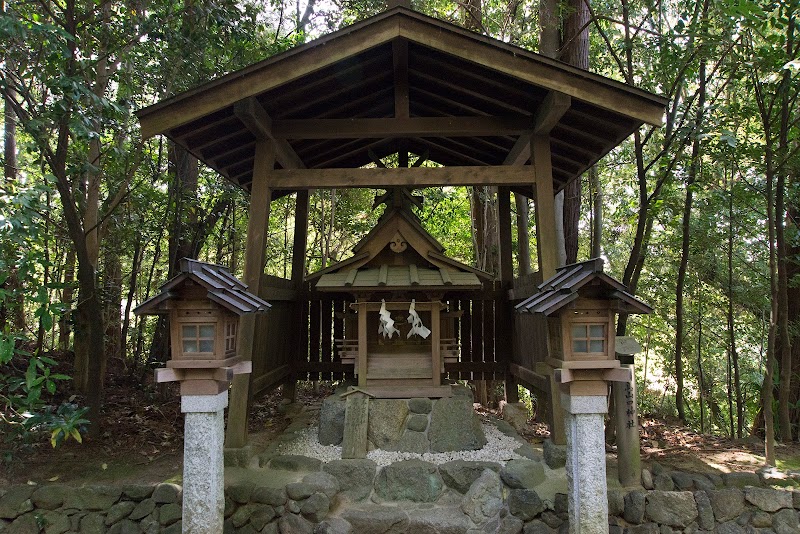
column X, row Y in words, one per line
column 698, row 217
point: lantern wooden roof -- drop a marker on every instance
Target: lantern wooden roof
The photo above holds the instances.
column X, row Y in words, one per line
column 584, row 279
column 403, row 81
column 219, row 284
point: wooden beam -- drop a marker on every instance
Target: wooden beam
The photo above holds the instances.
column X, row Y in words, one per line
column 553, row 107
column 540, row 71
column 258, row 121
column 400, row 64
column 255, row 254
column 545, row 208
column 410, row 177
column 400, row 127
column 550, row 111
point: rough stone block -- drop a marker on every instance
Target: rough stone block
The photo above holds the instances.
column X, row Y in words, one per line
column 92, row 498
column 295, row 462
column 387, row 418
column 93, row 523
column 409, row 480
column 516, row 414
column 294, row 524
column 484, row 500
column 54, row 522
column 143, row 509
column 23, row 524
column 522, row 474
column 537, row 527
column 50, row 497
column 376, row 519
column 268, row 495
column 635, row 507
column 504, row 525
column 785, row 522
column 137, row 492
column 334, row 525
column 355, row 477
column 299, row 491
column 727, row 504
column 527, row 451
column 551, row 519
column 673, row 508
column 460, row 474
column 768, row 499
column 169, row 513
column 616, row 502
column 331, row 421
column 705, row 513
column 167, row 493
column 663, row 482
column 316, row 507
column 444, row 520
column 683, row 481
column 647, row 479
column 410, row 441
column 561, row 503
column 740, row 480
column 729, row 527
column 322, row 482
column 420, row 405
column 242, row 515
column 126, row 526
column 555, row 456
column 454, row 426
column 645, row 528
column 237, row 457
column 119, row 511
column 761, row 520
column 525, row 504
column 240, row 493
column 417, row 422
column 16, row 502
column 262, row 514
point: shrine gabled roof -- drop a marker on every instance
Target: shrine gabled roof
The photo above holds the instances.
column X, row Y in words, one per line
column 467, row 100
column 221, row 286
column 398, row 277
column 580, row 279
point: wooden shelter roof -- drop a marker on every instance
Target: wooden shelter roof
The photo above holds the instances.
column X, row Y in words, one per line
column 402, row 81
column 585, row 279
column 221, row 286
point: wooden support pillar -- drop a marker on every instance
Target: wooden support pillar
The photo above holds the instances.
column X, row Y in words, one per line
column 436, row 343
column 299, row 348
column 362, row 344
column 546, row 245
column 255, row 255
column 505, row 323
column 548, row 255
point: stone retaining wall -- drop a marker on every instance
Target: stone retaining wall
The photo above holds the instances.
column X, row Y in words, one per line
column 411, row 496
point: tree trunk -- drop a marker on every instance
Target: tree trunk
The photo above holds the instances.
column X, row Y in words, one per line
column 733, row 353
column 523, row 235
column 575, row 51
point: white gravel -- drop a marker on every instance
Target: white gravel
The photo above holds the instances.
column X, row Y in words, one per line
column 499, row 448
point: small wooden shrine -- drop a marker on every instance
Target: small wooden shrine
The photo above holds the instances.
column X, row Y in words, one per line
column 399, row 332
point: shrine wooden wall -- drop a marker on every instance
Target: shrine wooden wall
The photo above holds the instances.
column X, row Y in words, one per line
column 529, row 338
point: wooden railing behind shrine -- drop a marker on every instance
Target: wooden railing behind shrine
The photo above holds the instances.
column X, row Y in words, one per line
column 476, row 332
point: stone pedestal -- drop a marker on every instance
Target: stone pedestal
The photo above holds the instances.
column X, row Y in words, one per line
column 586, row 463
column 629, row 460
column 203, row 484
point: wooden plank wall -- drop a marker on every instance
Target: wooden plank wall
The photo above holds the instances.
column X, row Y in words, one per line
column 530, row 336
column 272, row 347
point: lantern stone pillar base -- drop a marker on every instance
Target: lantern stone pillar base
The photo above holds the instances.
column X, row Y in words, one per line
column 203, row 466
column 586, row 463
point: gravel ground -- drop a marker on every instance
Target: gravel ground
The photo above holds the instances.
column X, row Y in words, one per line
column 499, row 448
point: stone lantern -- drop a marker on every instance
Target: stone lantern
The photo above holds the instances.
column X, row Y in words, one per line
column 204, row 303
column 580, row 303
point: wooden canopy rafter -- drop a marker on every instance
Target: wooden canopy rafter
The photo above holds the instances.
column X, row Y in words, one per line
column 401, row 82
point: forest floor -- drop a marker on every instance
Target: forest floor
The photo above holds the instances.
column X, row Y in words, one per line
column 142, row 435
